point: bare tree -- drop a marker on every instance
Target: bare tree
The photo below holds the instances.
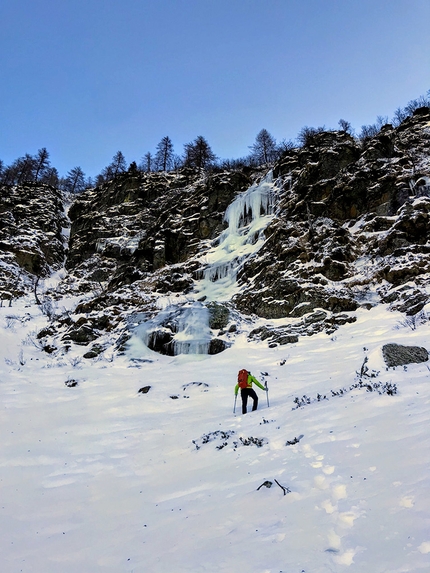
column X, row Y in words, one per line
column 399, row 116
column 147, row 162
column 75, row 180
column 164, row 155
column 198, row 153
column 41, row 163
column 264, row 149
column 306, row 135
column 403, row 113
column 25, row 168
column 177, row 161
column 369, row 131
column 118, row 164
column 345, row 126
column 50, row 176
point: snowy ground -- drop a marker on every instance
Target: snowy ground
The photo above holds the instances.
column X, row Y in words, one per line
column 99, row 477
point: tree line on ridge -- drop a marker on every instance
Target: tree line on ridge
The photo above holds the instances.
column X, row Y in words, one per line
column 198, row 154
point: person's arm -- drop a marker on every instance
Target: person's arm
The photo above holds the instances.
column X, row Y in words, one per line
column 236, row 389
column 254, row 379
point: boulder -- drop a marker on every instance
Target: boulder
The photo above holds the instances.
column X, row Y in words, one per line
column 82, row 335
column 217, row 345
column 398, row 355
column 144, row 390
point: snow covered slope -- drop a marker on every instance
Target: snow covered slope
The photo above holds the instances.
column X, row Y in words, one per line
column 119, row 459
column 96, row 476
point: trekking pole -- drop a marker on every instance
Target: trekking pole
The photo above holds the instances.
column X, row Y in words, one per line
column 234, row 409
column 267, row 393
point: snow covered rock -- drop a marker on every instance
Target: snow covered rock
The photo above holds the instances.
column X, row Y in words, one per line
column 32, row 220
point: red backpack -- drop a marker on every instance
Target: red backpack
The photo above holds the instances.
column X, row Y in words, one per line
column 242, row 378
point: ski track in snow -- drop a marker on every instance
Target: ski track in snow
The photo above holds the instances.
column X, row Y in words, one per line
column 100, row 478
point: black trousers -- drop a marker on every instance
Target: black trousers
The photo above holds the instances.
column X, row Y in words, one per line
column 245, row 392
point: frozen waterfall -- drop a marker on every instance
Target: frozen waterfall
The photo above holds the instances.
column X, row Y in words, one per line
column 247, row 217
column 194, row 334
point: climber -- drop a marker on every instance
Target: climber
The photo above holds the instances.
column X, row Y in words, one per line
column 244, row 382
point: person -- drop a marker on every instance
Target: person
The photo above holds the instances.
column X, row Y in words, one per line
column 249, row 391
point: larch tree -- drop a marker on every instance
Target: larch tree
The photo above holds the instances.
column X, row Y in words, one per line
column 118, row 164
column 25, row 168
column 198, row 153
column 164, row 155
column 264, row 149
column 75, row 180
column 147, row 162
column 41, row 163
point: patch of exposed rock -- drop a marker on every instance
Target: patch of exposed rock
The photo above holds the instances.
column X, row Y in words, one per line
column 398, row 355
column 312, row 323
column 31, row 241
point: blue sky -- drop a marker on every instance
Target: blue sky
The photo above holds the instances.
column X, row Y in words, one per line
column 86, row 78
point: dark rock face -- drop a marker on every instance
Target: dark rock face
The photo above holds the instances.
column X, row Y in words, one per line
column 342, row 202
column 407, row 299
column 219, row 315
column 398, row 355
column 83, row 334
column 31, row 222
column 312, row 323
column 147, row 221
column 161, row 341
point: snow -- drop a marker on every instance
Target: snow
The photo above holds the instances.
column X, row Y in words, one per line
column 100, row 477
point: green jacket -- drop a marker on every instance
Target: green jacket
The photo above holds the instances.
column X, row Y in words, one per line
column 251, row 379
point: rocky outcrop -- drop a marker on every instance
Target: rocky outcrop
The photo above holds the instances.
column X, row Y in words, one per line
column 31, row 241
column 344, row 206
column 312, row 323
column 146, row 221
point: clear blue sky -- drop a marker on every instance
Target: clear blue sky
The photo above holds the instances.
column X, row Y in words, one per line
column 86, row 78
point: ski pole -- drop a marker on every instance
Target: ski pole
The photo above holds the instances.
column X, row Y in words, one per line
column 267, row 393
column 234, row 409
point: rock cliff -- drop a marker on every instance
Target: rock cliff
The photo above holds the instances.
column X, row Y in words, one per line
column 350, row 228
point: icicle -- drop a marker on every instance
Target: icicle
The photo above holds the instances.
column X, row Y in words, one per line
column 247, row 217
column 194, row 334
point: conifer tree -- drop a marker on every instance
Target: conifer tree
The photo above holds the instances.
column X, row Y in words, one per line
column 198, row 153
column 164, row 155
column 41, row 163
column 147, row 162
column 75, row 180
column 264, row 149
column 118, row 164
